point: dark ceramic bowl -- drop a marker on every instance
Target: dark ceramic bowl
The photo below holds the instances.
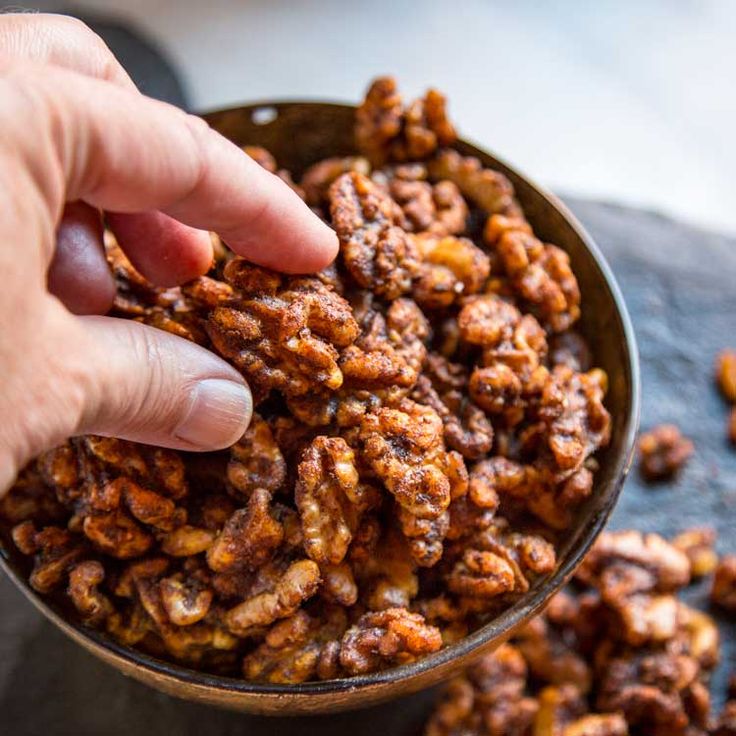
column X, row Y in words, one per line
column 298, row 134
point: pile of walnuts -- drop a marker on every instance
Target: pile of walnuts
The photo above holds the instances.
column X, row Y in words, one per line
column 426, row 421
column 617, row 655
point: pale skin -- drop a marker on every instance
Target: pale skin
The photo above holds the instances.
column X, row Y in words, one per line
column 78, row 140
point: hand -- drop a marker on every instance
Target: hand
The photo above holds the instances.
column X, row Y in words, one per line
column 78, row 138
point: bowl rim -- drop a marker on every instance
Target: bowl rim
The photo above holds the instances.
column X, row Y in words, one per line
column 500, row 627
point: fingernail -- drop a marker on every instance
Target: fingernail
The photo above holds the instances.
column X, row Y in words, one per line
column 218, row 414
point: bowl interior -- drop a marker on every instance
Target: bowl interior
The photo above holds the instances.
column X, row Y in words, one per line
column 299, row 134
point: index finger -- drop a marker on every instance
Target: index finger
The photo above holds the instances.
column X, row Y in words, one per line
column 124, row 152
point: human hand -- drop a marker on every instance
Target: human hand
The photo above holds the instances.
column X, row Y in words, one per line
column 78, row 138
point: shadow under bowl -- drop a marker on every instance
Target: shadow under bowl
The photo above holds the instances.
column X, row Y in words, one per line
column 298, row 134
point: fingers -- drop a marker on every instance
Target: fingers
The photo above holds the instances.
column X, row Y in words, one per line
column 146, row 385
column 151, row 240
column 125, row 153
column 62, row 41
column 79, row 275
column 162, row 249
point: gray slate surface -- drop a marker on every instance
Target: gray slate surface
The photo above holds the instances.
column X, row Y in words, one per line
column 679, row 285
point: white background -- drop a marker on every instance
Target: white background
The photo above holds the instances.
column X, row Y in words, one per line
column 624, row 100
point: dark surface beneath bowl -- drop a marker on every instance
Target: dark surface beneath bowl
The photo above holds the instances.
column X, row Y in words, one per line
column 678, row 284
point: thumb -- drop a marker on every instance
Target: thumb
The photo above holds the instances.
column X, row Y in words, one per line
column 147, row 385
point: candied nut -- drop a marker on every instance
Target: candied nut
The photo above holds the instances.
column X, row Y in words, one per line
column 570, row 349
column 84, row 580
column 407, row 329
column 625, row 562
column 404, row 447
column 181, row 324
column 496, row 561
column 208, row 292
column 192, row 644
column 523, row 350
column 123, row 456
column 481, row 574
column 647, row 618
column 426, row 127
column 299, row 583
column 425, row 536
column 379, row 255
column 494, row 476
column 414, row 196
column 488, row 189
column 284, row 334
column 723, row 591
column 450, row 267
column 577, row 421
column 156, row 469
column 298, row 648
column 445, row 375
column 375, row 369
column 262, row 157
column 700, row 634
column 384, row 638
column 697, row 543
column 487, row 699
column 663, row 452
column 148, row 568
column 540, row 273
column 318, row 177
column 186, row 541
column 184, row 604
column 249, row 538
column 598, row 724
column 466, row 427
column 330, row 499
column 214, row 510
column 451, row 211
column 147, row 506
column 384, row 130
column 380, row 367
column 487, row 320
column 138, row 299
column 559, row 707
column 55, row 550
column 256, row 461
column 650, row 689
column 466, row 518
column 550, row 653
column 165, row 470
column 30, row 498
column 577, row 487
column 59, row 469
column 429, row 209
column 338, row 584
column 129, row 627
column 726, row 374
column 24, row 537
column 117, row 535
column 378, row 120
column 498, row 390
column 384, row 565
